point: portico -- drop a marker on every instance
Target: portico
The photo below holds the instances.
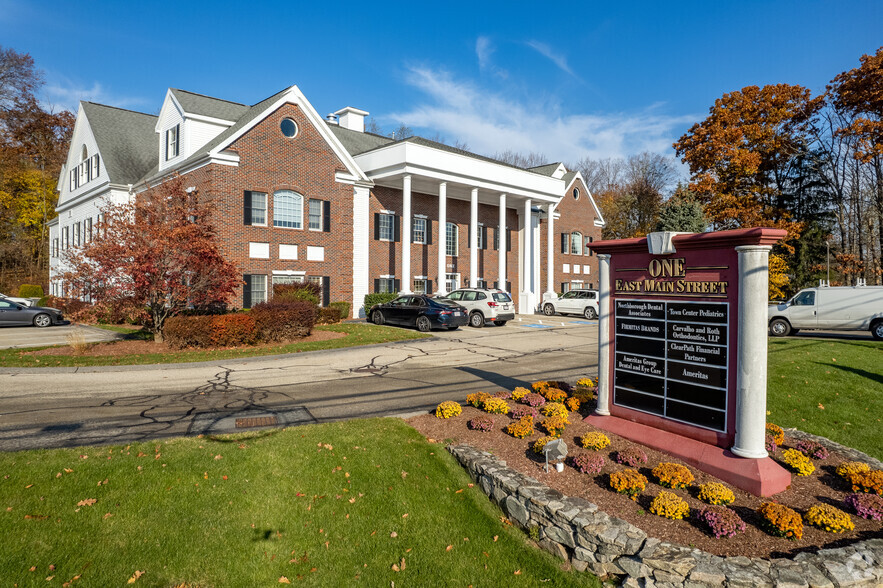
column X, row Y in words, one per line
column 494, row 193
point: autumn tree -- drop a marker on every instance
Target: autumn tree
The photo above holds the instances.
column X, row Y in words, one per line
column 160, row 251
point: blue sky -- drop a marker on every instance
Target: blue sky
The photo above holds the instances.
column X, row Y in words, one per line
column 597, row 79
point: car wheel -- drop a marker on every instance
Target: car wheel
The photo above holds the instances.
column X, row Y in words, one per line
column 476, row 319
column 780, row 328
column 590, row 313
column 377, row 317
column 423, row 324
column 548, row 310
column 877, row 330
column 500, row 323
column 42, row 320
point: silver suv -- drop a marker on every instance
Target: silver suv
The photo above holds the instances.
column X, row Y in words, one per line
column 485, row 305
column 584, row 302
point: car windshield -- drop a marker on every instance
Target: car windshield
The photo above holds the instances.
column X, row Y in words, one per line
column 445, row 302
column 501, row 297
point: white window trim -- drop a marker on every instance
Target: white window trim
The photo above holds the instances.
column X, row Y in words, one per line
column 392, row 226
column 309, row 200
column 299, row 195
column 456, row 236
column 289, row 273
column 414, row 228
column 266, row 209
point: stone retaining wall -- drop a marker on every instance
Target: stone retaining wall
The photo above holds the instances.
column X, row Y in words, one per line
column 575, row 530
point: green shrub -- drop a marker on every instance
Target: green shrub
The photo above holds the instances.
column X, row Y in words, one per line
column 284, row 321
column 44, row 301
column 378, row 298
column 328, row 315
column 344, row 309
column 30, row 291
column 306, row 291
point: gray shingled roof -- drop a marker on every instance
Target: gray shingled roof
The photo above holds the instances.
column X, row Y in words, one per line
column 207, row 106
column 568, row 177
column 547, row 169
column 355, row 142
column 249, row 115
column 126, row 140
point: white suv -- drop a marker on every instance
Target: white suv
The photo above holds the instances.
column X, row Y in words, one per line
column 584, row 302
column 485, row 305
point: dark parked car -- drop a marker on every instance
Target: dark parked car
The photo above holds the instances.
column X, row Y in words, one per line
column 420, row 311
column 13, row 313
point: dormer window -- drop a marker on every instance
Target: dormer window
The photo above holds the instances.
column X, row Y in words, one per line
column 173, row 136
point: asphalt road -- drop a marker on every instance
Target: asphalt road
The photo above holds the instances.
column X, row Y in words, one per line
column 78, row 406
column 18, row 337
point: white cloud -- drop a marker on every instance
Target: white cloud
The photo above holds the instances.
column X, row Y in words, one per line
column 484, row 50
column 494, row 121
column 547, row 52
column 62, row 93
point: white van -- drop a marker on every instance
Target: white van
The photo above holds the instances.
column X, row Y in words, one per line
column 837, row 308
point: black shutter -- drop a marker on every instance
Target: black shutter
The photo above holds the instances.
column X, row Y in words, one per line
column 508, row 240
column 428, row 286
column 376, row 226
column 326, row 290
column 376, row 285
column 565, row 246
column 563, row 286
column 509, row 287
column 246, row 213
column 496, row 238
column 469, row 238
column 326, row 216
column 246, row 291
column 397, row 286
column 428, row 232
column 483, row 237
column 397, row 228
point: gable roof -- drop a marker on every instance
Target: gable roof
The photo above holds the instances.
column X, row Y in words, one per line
column 546, row 169
column 193, row 103
column 355, row 142
column 125, row 140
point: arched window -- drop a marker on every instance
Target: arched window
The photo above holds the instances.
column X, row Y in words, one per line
column 576, row 243
column 84, row 154
column 288, row 209
column 452, row 234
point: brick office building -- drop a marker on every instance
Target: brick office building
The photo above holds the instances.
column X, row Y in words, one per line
column 301, row 198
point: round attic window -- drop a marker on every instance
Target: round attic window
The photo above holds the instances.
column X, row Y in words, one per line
column 288, row 127
column 576, row 193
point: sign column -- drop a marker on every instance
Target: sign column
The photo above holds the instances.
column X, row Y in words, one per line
column 442, row 238
column 406, row 235
column 604, row 339
column 502, row 242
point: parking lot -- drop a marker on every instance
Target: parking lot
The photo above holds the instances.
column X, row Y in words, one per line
column 16, row 337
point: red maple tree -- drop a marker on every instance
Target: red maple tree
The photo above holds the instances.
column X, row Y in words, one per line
column 159, row 251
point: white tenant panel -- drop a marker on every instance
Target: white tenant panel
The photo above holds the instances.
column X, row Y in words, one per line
column 287, row 252
column 259, row 250
column 566, row 268
column 315, row 253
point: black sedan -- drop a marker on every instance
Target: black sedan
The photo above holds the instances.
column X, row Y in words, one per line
column 420, row 311
column 15, row 314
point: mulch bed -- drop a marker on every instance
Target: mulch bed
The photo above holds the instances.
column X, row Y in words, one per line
column 823, row 486
column 118, row 348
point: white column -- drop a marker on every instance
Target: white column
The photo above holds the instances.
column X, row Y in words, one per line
column 406, row 235
column 604, row 342
column 361, row 232
column 441, row 287
column 473, row 239
column 550, row 252
column 526, row 259
column 751, row 361
column 501, row 245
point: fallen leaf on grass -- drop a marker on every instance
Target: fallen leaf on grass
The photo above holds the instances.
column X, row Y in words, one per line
column 218, row 457
column 284, row 580
column 49, row 578
column 108, row 515
column 517, row 572
column 496, row 537
column 87, row 502
column 821, row 406
column 68, row 471
column 29, row 486
column 449, row 547
column 51, row 567
column 135, row 576
column 393, row 534
column 395, row 568
column 103, row 482
column 404, row 516
column 33, row 569
column 58, row 475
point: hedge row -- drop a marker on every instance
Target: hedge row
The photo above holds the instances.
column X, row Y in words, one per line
column 378, row 298
column 268, row 322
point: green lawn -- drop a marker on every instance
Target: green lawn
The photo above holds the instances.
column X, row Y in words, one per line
column 322, row 505
column 829, row 388
column 357, row 334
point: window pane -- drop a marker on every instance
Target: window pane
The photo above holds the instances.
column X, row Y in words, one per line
column 451, row 239
column 258, row 208
column 419, row 230
column 419, row 286
column 386, row 230
column 315, row 214
column 258, row 289
column 576, row 243
column 288, row 209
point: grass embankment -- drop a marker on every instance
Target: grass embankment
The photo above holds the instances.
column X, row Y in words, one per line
column 829, row 388
column 356, row 334
column 322, row 505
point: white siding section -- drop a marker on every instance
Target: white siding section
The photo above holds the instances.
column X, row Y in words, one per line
column 360, row 250
column 197, row 133
column 169, row 116
column 82, row 135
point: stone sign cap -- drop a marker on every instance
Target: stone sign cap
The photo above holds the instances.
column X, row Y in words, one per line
column 661, row 243
column 556, row 449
